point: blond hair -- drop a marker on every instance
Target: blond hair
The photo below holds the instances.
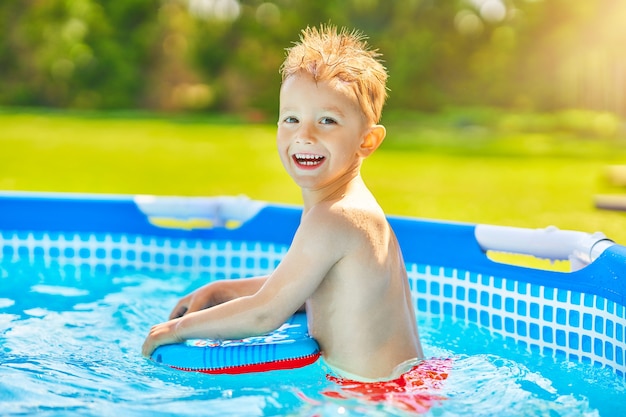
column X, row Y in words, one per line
column 343, row 59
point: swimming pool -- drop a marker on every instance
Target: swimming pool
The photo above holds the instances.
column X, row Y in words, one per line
column 82, row 278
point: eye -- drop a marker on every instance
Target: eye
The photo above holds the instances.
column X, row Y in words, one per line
column 290, row 119
column 328, row 121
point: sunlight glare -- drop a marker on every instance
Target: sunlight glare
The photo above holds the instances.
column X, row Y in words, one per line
column 467, row 23
column 493, row 11
column 224, row 10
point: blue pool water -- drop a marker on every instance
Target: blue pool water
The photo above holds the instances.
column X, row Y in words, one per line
column 70, row 345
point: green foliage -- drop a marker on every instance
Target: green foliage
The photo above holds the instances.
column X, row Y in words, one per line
column 76, row 53
column 223, row 55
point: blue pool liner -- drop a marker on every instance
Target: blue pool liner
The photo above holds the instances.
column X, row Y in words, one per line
column 579, row 315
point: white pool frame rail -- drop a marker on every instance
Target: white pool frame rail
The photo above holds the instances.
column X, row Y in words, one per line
column 579, row 248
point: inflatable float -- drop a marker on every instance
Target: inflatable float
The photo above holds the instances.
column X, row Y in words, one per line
column 288, row 347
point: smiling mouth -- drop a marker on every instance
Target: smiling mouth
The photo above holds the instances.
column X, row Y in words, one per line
column 307, row 159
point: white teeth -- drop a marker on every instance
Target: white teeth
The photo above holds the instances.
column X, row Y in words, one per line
column 308, row 159
column 308, row 156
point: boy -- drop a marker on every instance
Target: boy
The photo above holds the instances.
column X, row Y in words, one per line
column 344, row 264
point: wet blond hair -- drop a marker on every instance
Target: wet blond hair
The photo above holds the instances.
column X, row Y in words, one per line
column 343, row 59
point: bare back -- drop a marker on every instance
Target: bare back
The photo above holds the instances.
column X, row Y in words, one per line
column 361, row 313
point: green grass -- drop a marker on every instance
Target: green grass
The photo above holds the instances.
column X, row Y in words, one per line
column 462, row 165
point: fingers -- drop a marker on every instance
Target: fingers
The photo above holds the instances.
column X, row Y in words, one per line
column 197, row 304
column 187, row 305
column 161, row 334
column 150, row 344
column 148, row 347
column 177, row 312
column 197, row 300
column 181, row 307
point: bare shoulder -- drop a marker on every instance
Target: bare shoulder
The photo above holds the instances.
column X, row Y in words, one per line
column 347, row 218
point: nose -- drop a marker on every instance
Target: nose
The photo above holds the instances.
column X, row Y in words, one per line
column 306, row 133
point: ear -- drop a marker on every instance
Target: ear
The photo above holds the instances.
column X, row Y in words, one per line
column 372, row 140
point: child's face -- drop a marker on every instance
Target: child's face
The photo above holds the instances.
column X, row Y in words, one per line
column 319, row 132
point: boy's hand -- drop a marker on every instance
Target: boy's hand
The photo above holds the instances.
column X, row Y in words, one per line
column 161, row 334
column 215, row 293
column 203, row 297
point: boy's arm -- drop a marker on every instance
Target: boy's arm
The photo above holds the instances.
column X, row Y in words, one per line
column 319, row 243
column 215, row 293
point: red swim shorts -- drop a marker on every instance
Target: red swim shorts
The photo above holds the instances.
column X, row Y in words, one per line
column 414, row 391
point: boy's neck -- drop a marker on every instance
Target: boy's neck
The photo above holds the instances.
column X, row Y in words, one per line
column 335, row 192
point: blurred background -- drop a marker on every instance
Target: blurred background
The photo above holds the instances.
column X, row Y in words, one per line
column 223, row 55
column 500, row 111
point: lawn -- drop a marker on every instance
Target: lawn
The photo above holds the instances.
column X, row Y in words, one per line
column 461, row 165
